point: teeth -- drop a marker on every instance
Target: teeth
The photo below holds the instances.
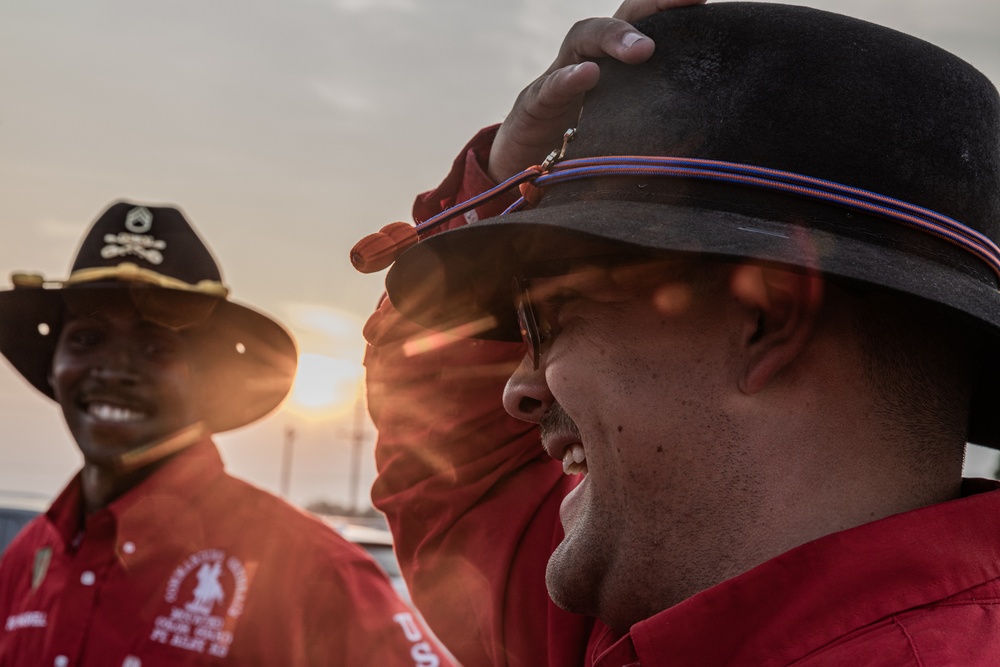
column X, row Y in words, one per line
column 113, row 413
column 574, row 460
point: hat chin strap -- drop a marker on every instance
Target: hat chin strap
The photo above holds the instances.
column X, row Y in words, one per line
column 162, row 448
column 124, row 272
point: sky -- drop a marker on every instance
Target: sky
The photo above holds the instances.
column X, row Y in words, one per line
column 286, row 130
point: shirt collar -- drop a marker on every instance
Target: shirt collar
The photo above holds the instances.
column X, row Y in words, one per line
column 183, row 477
column 777, row 612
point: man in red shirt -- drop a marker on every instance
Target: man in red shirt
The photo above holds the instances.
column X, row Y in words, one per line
column 153, row 554
column 750, row 308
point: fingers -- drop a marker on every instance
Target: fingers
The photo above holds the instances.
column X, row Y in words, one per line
column 600, row 37
column 551, row 103
column 633, row 10
column 542, row 112
column 615, row 36
column 554, row 94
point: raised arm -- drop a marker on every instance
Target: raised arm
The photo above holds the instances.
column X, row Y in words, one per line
column 471, row 497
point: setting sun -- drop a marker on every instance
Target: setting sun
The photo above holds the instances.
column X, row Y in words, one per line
column 325, row 384
column 330, row 372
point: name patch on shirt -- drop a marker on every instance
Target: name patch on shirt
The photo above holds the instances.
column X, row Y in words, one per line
column 27, row 619
column 205, row 595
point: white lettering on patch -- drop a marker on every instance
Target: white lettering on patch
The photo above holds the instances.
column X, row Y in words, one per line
column 28, row 619
column 199, row 619
column 140, row 245
column 422, row 653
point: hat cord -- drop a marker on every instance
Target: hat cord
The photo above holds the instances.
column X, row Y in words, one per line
column 914, row 216
column 534, row 179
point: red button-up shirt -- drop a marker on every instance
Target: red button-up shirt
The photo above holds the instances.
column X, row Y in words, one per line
column 195, row 567
column 473, row 501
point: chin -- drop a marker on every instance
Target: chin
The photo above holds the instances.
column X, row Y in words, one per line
column 106, row 445
column 574, row 578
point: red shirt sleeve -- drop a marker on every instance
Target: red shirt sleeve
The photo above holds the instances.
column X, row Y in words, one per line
column 466, row 179
column 471, row 496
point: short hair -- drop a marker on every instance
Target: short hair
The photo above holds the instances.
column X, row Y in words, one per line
column 920, row 361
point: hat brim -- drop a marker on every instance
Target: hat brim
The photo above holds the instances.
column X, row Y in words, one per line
column 246, row 360
column 464, row 275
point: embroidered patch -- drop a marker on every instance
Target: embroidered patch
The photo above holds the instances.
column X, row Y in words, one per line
column 41, row 566
column 139, row 220
column 135, row 241
column 28, row 619
column 206, row 594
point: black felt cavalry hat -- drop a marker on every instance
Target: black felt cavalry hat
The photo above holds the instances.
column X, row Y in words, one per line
column 793, row 135
column 247, row 361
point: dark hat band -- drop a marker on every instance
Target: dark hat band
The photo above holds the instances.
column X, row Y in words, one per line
column 918, row 217
column 533, row 180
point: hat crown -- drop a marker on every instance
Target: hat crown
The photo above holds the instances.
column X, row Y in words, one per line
column 809, row 92
column 155, row 238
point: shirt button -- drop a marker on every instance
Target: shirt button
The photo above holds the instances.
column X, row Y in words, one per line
column 61, row 661
column 129, row 548
column 132, row 661
column 88, row 578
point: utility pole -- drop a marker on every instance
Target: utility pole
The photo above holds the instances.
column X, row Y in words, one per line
column 286, row 461
column 357, row 439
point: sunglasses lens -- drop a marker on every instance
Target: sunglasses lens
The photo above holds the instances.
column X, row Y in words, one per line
column 526, row 321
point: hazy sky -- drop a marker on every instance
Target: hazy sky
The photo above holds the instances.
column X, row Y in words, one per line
column 286, row 131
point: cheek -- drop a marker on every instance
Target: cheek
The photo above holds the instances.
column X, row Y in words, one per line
column 65, row 371
column 179, row 386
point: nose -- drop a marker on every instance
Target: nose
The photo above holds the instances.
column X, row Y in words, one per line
column 527, row 394
column 117, row 363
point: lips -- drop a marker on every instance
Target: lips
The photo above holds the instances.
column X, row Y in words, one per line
column 562, row 440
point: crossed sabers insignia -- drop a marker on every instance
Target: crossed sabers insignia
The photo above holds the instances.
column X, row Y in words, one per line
column 127, row 244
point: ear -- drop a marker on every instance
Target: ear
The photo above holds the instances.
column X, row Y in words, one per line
column 782, row 308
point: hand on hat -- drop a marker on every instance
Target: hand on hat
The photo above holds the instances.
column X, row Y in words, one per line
column 551, row 103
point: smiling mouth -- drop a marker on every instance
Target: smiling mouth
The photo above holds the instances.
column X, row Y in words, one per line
column 574, row 460
column 114, row 414
column 561, row 439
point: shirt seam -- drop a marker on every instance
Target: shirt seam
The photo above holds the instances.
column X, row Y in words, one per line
column 909, row 640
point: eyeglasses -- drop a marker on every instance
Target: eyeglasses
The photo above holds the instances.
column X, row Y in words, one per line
column 535, row 331
column 527, row 321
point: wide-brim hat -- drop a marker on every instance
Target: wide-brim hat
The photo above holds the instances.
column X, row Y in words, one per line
column 795, row 136
column 246, row 360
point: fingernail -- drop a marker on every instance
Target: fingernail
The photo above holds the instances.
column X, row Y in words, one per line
column 630, row 38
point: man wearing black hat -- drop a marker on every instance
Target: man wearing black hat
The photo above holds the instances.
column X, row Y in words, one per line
column 749, row 306
column 153, row 554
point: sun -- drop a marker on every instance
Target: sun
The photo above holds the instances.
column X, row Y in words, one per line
column 328, row 383
column 325, row 385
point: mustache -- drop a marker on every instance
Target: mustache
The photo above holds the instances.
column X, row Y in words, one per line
column 556, row 421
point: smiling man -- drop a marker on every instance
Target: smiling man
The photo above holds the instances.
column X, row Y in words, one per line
column 153, row 554
column 701, row 397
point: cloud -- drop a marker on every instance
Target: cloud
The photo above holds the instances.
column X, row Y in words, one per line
column 59, row 229
column 357, row 6
column 344, row 99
